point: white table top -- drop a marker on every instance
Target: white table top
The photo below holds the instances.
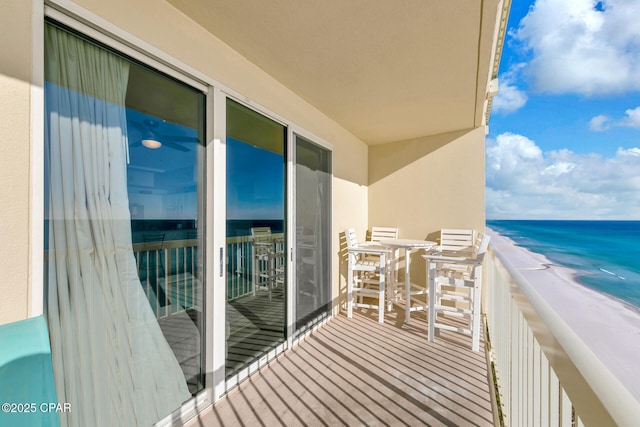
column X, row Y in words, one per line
column 371, row 247
column 408, row 243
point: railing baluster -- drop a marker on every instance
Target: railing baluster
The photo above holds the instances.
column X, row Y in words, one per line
column 545, row 380
column 192, row 250
column 522, row 352
column 535, row 371
column 530, row 403
column 554, row 399
column 565, row 408
column 157, row 297
column 235, row 276
column 183, row 292
column 168, row 304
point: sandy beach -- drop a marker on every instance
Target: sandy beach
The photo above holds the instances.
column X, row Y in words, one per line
column 610, row 327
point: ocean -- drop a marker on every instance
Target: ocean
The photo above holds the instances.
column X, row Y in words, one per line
column 242, row 227
column 606, row 254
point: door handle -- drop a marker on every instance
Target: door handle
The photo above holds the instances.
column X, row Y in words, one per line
column 221, row 262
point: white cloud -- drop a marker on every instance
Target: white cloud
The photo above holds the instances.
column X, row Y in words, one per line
column 558, row 169
column 525, row 183
column 510, row 98
column 632, row 119
column 634, row 152
column 580, row 48
column 602, row 122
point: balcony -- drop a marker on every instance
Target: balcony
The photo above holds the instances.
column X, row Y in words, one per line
column 359, row 372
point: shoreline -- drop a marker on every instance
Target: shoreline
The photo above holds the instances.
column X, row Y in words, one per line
column 576, row 277
column 574, row 274
column 608, row 325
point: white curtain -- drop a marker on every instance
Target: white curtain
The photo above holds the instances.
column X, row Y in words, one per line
column 111, row 360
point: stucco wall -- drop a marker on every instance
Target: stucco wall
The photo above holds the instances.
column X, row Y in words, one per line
column 15, row 77
column 426, row 184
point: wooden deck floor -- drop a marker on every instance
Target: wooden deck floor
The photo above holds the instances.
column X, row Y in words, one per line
column 357, row 372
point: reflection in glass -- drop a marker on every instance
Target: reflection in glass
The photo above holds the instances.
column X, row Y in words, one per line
column 122, row 270
column 313, row 195
column 255, row 310
column 164, row 123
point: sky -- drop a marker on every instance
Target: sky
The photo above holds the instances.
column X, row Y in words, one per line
column 564, row 130
column 255, row 182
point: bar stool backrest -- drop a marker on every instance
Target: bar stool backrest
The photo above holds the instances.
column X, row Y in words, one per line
column 382, row 233
column 460, row 241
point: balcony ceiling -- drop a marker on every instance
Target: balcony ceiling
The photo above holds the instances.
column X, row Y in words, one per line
column 386, row 70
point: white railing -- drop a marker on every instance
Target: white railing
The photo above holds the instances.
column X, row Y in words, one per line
column 546, row 375
column 169, row 275
column 241, row 265
column 239, row 274
column 168, row 272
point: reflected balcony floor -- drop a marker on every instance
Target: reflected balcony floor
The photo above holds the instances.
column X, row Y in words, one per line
column 256, row 325
column 359, row 372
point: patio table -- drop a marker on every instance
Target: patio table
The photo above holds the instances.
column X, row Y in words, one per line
column 408, row 245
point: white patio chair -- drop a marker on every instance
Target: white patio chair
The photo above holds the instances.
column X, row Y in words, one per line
column 376, row 235
column 458, row 243
column 268, row 260
column 456, row 283
column 366, row 275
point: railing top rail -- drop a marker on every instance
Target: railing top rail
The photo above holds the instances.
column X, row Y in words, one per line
column 171, row 244
column 594, row 391
column 167, row 244
column 244, row 239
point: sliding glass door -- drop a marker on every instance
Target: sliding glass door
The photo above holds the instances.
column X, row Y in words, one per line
column 312, row 296
column 124, row 171
column 256, row 244
column 125, row 227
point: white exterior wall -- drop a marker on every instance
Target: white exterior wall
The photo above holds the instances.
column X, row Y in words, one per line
column 15, row 168
column 429, row 183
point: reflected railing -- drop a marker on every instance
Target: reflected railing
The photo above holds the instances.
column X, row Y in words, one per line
column 545, row 374
column 239, row 268
column 241, row 265
column 168, row 272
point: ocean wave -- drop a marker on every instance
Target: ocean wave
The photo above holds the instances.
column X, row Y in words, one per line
column 611, row 273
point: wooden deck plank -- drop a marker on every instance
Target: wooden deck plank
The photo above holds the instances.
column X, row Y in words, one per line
column 359, row 372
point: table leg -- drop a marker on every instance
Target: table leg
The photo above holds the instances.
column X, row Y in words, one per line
column 431, row 271
column 350, row 287
column 393, row 281
column 407, row 279
column 381, row 290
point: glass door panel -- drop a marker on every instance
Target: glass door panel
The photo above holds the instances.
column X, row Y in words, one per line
column 124, row 168
column 313, row 213
column 165, row 122
column 256, row 248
